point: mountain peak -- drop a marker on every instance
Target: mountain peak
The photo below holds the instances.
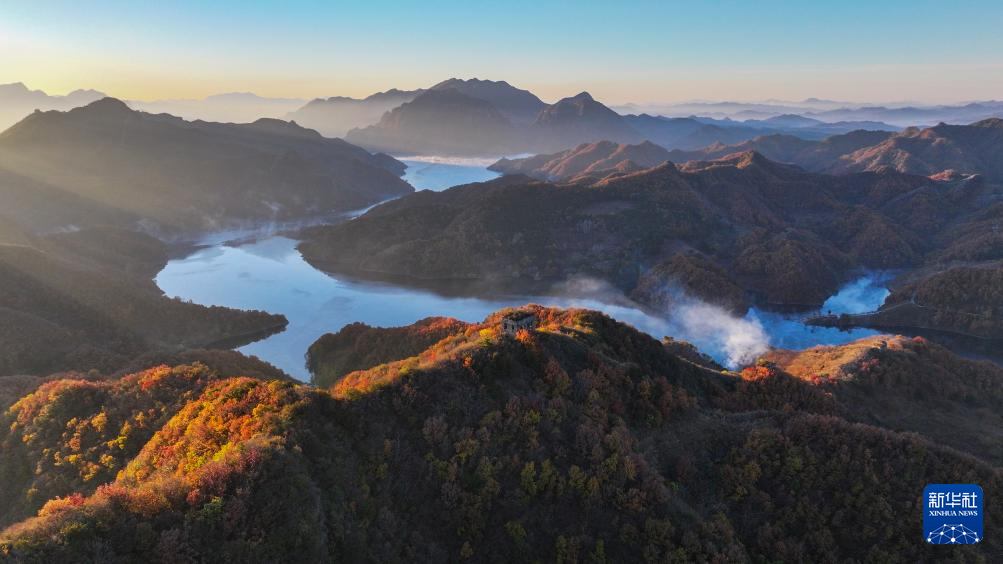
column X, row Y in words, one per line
column 570, row 121
column 750, row 158
column 449, row 94
column 393, row 92
column 460, row 82
column 19, row 86
column 86, row 92
column 283, row 127
column 107, row 105
column 583, row 101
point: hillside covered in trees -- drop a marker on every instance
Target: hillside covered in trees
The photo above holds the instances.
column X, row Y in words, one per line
column 358, row 346
column 967, row 300
column 588, row 160
column 733, row 231
column 86, row 300
column 911, row 385
column 578, row 440
column 104, row 163
column 945, row 149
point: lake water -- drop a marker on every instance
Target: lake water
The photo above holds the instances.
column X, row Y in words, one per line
column 438, row 173
column 269, row 274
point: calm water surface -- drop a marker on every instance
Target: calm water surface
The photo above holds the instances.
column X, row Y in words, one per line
column 269, row 274
column 438, row 173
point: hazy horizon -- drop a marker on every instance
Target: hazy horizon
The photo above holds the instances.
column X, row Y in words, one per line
column 644, row 52
column 639, row 102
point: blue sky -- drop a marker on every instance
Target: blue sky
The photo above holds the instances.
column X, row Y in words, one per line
column 623, row 51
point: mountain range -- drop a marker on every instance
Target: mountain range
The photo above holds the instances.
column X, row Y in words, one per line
column 723, row 122
column 491, row 118
column 733, row 232
column 175, row 176
column 947, row 150
column 966, row 149
column 899, row 115
column 337, row 115
column 830, row 155
column 129, row 433
column 86, row 191
column 17, row 101
column 440, row 122
column 818, row 156
column 586, row 161
column 231, row 107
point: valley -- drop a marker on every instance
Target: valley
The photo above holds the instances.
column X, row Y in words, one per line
column 270, row 274
column 276, row 285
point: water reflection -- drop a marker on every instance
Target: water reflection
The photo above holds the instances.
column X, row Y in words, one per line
column 270, row 275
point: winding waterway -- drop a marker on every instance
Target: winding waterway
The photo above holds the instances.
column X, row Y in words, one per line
column 269, row 274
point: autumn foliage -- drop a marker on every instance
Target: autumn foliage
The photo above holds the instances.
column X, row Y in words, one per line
column 579, row 440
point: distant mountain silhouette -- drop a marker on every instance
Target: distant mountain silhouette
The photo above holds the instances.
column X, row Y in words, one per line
column 440, row 121
column 816, row 156
column 474, row 119
column 231, row 107
column 916, row 115
column 578, row 119
column 519, row 106
column 535, row 127
column 17, row 101
column 187, row 176
column 899, row 115
column 792, row 120
column 336, row 116
column 693, row 133
column 688, row 133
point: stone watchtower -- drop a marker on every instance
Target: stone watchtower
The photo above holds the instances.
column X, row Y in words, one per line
column 512, row 323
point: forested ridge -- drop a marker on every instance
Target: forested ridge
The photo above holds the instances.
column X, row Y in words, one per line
column 86, row 300
column 734, row 232
column 582, row 440
column 106, row 164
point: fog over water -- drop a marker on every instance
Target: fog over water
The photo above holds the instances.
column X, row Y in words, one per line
column 269, row 274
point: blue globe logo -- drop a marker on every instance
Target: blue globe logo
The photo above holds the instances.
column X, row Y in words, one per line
column 952, row 534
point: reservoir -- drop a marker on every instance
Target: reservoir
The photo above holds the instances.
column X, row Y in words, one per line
column 267, row 273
